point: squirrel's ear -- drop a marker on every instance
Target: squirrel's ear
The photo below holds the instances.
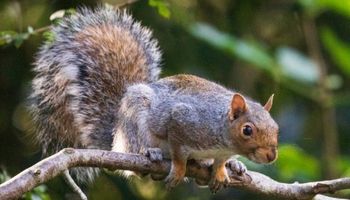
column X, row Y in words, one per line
column 269, row 102
column 238, row 106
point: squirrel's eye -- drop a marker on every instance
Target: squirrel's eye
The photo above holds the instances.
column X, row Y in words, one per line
column 247, row 130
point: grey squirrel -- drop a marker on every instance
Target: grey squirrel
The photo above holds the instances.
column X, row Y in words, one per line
column 96, row 85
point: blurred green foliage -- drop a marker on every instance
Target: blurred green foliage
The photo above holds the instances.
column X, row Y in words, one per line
column 315, row 7
column 297, row 49
column 162, row 7
column 288, row 63
column 9, row 37
column 246, row 50
column 292, row 159
column 337, row 49
column 4, row 176
column 38, row 193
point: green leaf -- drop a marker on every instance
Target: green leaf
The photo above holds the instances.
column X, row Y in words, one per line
column 343, row 165
column 4, row 176
column 49, row 36
column 341, row 7
column 337, row 49
column 30, row 30
column 247, row 51
column 19, row 39
column 40, row 189
column 297, row 66
column 315, row 7
column 294, row 164
column 162, row 6
column 6, row 37
column 38, row 193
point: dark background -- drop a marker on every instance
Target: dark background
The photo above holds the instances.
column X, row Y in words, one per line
column 298, row 50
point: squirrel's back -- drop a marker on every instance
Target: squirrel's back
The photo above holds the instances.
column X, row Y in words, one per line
column 81, row 76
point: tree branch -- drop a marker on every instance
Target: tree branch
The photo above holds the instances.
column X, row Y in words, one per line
column 68, row 158
column 71, row 183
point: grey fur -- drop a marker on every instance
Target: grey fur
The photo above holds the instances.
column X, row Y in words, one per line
column 62, row 87
column 188, row 117
column 172, row 112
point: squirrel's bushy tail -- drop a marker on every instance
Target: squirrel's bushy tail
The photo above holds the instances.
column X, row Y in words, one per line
column 81, row 75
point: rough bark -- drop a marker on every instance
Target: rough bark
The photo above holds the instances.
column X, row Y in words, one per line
column 68, row 158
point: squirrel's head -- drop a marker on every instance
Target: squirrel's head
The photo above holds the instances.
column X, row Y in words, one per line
column 254, row 132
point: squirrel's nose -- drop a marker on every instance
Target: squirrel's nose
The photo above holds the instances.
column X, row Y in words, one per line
column 271, row 156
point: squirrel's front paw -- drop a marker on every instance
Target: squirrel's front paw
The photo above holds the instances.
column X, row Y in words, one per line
column 154, row 154
column 237, row 167
column 218, row 181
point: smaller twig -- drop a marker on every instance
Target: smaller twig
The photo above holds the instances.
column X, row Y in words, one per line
column 42, row 29
column 69, row 180
column 123, row 4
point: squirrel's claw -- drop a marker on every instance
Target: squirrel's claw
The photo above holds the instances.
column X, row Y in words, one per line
column 219, row 179
column 154, row 154
column 171, row 181
column 236, row 166
column 215, row 185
